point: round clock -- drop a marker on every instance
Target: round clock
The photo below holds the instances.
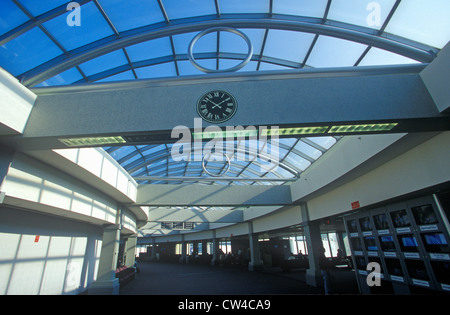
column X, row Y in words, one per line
column 216, row 106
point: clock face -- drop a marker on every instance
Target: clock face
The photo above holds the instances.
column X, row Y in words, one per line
column 216, row 106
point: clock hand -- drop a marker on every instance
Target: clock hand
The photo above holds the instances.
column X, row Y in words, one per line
column 223, row 101
column 213, row 103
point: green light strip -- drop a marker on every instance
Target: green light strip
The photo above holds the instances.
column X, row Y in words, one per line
column 92, row 141
column 362, row 128
column 225, row 134
column 294, row 131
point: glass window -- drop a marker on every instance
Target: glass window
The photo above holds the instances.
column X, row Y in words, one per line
column 16, row 57
column 271, row 66
column 67, row 77
column 207, row 43
column 150, row 49
column 181, row 42
column 93, row 27
column 335, row 52
column 112, row 60
column 13, row 18
column 256, row 36
column 326, row 245
column 39, row 7
column 366, row 13
column 288, row 45
column 297, row 161
column 130, row 14
column 334, row 246
column 229, row 63
column 185, row 67
column 239, row 6
column 156, row 71
column 127, row 75
column 308, row 150
column 310, row 8
column 230, row 42
column 423, row 21
column 189, row 8
column 324, row 142
column 378, row 57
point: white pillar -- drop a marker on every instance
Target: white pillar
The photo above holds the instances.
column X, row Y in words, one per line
column 130, row 248
column 215, row 249
column 314, row 245
column 256, row 262
column 106, row 282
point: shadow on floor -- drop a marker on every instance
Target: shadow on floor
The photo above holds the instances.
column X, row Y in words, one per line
column 191, row 279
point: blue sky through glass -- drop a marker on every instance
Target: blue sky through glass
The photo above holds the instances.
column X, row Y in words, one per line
column 274, row 49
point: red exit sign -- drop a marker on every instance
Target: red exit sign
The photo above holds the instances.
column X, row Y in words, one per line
column 355, row 205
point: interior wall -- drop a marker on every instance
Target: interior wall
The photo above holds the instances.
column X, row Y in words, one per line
column 43, row 187
column 43, row 254
column 424, row 166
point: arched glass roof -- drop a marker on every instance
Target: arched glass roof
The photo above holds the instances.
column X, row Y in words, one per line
column 46, row 43
column 58, row 42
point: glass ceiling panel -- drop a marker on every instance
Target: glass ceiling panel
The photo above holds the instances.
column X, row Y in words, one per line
column 256, row 36
column 366, row 13
column 39, row 7
column 226, row 64
column 162, row 70
column 124, row 76
column 288, row 45
column 378, row 57
column 247, row 6
column 335, row 52
column 67, row 77
column 16, row 57
column 310, row 8
column 324, row 142
column 427, row 22
column 270, row 66
column 186, row 68
column 14, row 18
column 151, row 49
column 130, row 14
column 112, row 60
column 93, row 27
column 188, row 8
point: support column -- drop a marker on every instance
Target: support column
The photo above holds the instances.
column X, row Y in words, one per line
column 183, row 250
column 256, row 262
column 314, row 245
column 153, row 259
column 106, row 282
column 215, row 242
column 130, row 250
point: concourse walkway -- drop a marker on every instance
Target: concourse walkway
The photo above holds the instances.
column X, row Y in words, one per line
column 193, row 279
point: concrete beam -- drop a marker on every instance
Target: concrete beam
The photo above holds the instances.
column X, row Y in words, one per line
column 212, row 195
column 195, row 215
column 301, row 98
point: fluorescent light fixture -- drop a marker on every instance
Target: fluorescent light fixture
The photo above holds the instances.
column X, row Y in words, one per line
column 362, row 128
column 225, row 134
column 92, row 141
column 294, row 131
